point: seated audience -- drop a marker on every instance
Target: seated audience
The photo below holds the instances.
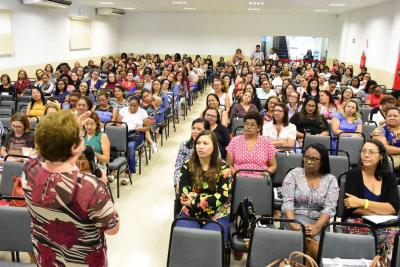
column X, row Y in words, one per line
column 239, row 110
column 355, row 85
column 70, row 211
column 94, row 83
column 46, row 85
column 105, row 111
column 6, row 88
column 119, row 101
column 378, row 114
column 252, row 150
column 184, row 154
column 205, row 185
column 348, row 121
column 376, row 96
column 72, row 100
column 60, row 93
column 345, row 96
column 279, row 130
column 268, row 110
column 22, row 82
column 327, row 107
column 95, row 138
column 134, row 117
column 213, row 123
column 129, row 83
column 366, row 90
column 285, row 93
column 293, row 103
column 83, row 105
column 51, row 108
column 389, row 135
column 19, row 138
column 36, row 107
column 371, row 189
column 220, row 90
column 84, row 90
column 309, row 120
column 213, row 102
column 110, row 83
column 310, row 193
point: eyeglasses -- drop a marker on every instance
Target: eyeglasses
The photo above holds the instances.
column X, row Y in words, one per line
column 16, row 126
column 250, row 125
column 369, row 152
column 278, row 110
column 311, row 159
column 211, row 116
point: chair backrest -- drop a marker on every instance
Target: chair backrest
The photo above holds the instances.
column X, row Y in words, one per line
column 352, row 145
column 22, row 106
column 27, row 92
column 238, row 130
column 339, row 164
column 10, row 169
column 285, row 162
column 118, row 136
column 258, row 189
column 269, row 244
column 6, row 98
column 15, row 229
column 340, row 204
column 6, row 122
column 346, row 246
column 8, row 104
column 195, row 247
column 24, row 99
column 365, row 113
column 367, row 129
column 236, row 122
column 5, row 111
column 313, row 139
column 396, row 251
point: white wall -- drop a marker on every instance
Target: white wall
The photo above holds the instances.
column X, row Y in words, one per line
column 218, row 34
column 42, row 35
column 380, row 25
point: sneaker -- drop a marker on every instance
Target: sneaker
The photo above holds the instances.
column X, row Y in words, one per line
column 154, row 148
column 125, row 181
column 111, row 178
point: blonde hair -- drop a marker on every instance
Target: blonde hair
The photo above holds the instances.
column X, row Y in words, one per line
column 51, row 105
column 56, row 134
column 357, row 114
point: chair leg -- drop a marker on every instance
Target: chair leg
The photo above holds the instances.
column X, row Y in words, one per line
column 162, row 136
column 111, row 194
column 140, row 162
column 118, row 183
column 130, row 177
column 145, row 154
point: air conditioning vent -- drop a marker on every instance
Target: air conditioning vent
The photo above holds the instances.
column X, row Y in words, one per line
column 110, row 11
column 48, row 3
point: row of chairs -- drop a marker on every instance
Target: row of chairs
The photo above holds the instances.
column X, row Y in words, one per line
column 269, row 243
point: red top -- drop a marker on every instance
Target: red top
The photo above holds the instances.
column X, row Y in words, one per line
column 375, row 99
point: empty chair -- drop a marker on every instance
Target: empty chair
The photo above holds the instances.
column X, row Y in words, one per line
column 5, row 112
column 6, row 98
column 264, row 248
column 367, row 129
column 195, row 247
column 22, row 106
column 313, row 139
column 346, row 246
column 339, row 163
column 365, row 113
column 15, row 233
column 235, row 123
column 119, row 139
column 352, row 145
column 260, row 191
column 10, row 169
column 285, row 162
column 8, row 104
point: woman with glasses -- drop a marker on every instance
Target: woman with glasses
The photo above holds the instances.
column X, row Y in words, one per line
column 19, row 138
column 214, row 102
column 371, row 189
column 389, row 135
column 293, row 103
column 310, row 193
column 213, row 123
column 252, row 150
column 279, row 130
column 309, row 120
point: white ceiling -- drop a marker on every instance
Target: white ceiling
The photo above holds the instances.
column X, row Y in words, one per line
column 236, row 6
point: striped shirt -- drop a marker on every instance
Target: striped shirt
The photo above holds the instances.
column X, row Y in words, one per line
column 69, row 212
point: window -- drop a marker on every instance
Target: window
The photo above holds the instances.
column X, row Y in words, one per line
column 6, row 43
column 80, row 33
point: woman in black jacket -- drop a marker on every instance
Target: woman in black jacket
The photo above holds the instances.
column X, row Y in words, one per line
column 371, row 189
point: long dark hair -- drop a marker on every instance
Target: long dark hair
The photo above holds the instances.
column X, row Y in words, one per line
column 218, row 116
column 41, row 97
column 285, row 120
column 382, row 170
column 308, row 89
column 325, row 166
column 211, row 176
column 190, row 142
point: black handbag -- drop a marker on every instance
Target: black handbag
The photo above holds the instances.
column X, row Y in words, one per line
column 133, row 136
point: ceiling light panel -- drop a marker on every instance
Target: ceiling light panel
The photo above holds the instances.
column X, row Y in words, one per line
column 189, row 8
column 337, row 4
column 254, row 9
column 106, row 3
column 179, row 3
column 320, row 10
column 256, row 3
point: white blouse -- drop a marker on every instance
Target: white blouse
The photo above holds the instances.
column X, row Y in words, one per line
column 286, row 133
